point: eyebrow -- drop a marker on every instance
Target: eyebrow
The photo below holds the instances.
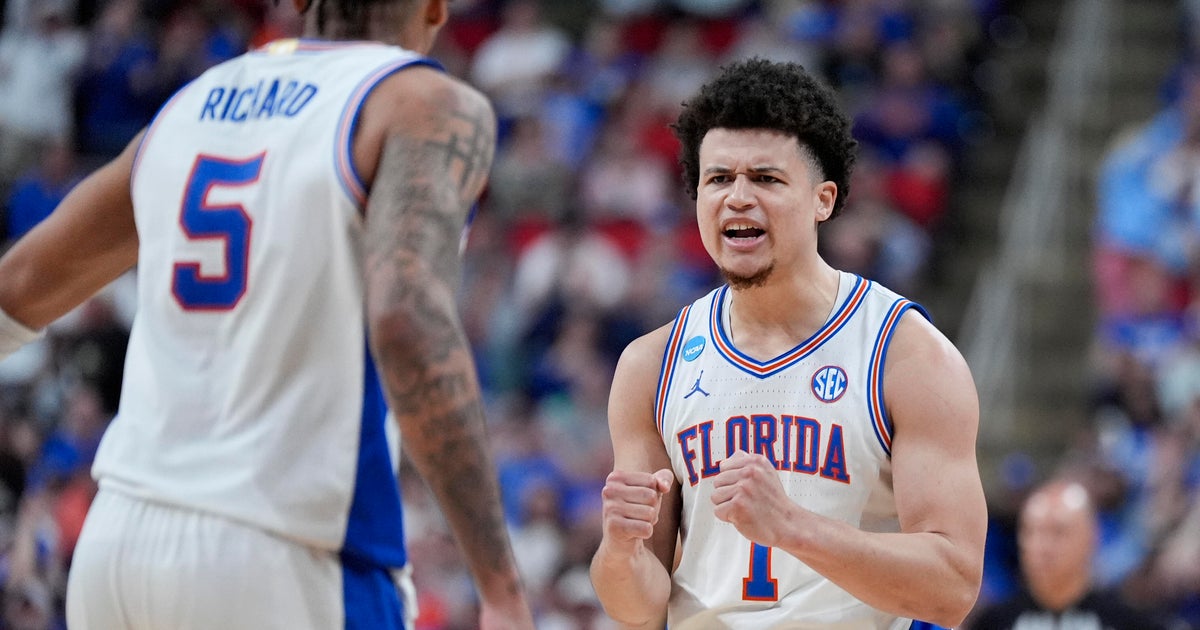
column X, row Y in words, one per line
column 752, row 169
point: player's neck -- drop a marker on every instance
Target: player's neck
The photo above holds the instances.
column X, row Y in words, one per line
column 382, row 24
column 373, row 35
column 786, row 309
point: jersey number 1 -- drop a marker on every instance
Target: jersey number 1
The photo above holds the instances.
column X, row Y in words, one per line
column 759, row 586
column 228, row 223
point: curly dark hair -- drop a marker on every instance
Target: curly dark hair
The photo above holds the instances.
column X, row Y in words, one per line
column 761, row 94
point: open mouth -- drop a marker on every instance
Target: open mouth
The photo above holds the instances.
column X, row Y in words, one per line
column 746, row 232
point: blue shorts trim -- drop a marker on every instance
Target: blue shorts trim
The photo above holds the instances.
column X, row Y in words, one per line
column 370, row 598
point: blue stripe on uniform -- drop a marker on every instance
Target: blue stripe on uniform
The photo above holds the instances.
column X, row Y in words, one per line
column 374, row 533
column 666, row 373
column 370, row 598
column 875, row 379
column 350, row 179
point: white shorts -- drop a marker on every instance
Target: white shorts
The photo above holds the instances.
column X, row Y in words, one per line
column 146, row 566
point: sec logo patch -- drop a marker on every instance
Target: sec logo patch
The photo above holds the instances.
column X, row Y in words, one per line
column 829, row 383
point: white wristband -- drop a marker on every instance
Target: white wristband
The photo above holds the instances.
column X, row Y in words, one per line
column 13, row 335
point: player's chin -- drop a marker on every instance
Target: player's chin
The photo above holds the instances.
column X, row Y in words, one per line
column 740, row 278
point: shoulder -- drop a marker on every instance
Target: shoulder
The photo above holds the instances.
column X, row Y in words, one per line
column 913, row 342
column 634, row 384
column 635, row 380
column 425, row 103
column 643, row 357
column 423, row 90
column 926, row 380
column 918, row 346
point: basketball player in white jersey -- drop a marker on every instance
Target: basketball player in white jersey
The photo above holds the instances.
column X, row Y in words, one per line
column 295, row 216
column 804, row 436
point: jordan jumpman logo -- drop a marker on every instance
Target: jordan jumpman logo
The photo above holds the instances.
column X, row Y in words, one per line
column 696, row 386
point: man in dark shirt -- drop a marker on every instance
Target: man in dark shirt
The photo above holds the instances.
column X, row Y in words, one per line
column 1057, row 538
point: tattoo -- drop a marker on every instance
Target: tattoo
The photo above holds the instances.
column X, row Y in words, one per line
column 469, row 154
column 427, row 179
column 468, row 485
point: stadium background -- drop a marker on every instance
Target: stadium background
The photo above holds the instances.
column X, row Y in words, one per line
column 1002, row 144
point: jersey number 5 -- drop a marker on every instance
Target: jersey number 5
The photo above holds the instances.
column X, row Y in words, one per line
column 228, row 223
column 759, row 586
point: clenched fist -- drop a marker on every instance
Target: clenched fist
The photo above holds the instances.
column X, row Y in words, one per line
column 631, row 502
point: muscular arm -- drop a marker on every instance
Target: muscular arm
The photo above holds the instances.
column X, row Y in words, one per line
column 87, row 242
column 631, row 570
column 932, row 569
column 436, row 138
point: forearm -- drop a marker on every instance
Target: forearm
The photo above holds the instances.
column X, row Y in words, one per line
column 450, row 453
column 42, row 284
column 632, row 587
column 879, row 568
column 432, row 389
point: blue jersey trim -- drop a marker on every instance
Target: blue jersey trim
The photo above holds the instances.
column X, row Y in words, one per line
column 667, row 370
column 375, row 531
column 881, row 421
column 343, row 158
column 763, row 369
column 369, row 598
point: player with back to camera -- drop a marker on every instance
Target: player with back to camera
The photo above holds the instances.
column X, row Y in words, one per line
column 804, row 435
column 295, row 216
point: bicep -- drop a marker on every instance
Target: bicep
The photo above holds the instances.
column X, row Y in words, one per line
column 637, row 443
column 421, row 192
column 932, row 401
column 430, row 146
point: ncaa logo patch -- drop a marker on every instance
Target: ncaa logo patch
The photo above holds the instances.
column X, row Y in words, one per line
column 829, row 383
column 693, row 348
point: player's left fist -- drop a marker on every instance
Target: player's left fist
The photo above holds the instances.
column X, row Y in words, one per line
column 747, row 494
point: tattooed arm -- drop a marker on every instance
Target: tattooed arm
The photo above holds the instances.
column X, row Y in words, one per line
column 426, row 143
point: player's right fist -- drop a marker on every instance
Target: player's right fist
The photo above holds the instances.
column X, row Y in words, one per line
column 631, row 501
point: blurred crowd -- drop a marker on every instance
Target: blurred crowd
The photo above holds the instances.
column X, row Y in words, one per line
column 1138, row 454
column 583, row 241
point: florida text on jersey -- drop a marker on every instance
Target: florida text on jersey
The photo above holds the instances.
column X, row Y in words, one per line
column 816, row 413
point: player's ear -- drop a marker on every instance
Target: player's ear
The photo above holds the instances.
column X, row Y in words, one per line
column 827, row 193
column 436, row 13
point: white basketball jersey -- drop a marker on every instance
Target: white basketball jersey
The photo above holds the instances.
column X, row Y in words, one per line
column 817, row 413
column 249, row 388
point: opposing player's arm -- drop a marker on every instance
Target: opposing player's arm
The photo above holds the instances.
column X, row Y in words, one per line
column 932, row 569
column 631, row 571
column 435, row 139
column 87, row 242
